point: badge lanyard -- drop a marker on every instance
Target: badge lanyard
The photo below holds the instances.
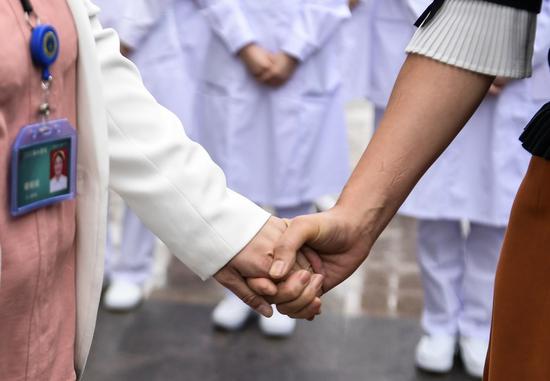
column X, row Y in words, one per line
column 43, row 163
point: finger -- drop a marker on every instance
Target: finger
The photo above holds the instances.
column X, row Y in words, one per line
column 302, row 263
column 299, row 231
column 237, row 284
column 311, row 292
column 314, row 260
column 266, row 75
column 309, row 312
column 291, row 288
column 262, row 286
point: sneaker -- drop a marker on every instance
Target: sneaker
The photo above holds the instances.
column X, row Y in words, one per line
column 436, row 353
column 278, row 325
column 122, row 296
column 473, row 352
column 231, row 313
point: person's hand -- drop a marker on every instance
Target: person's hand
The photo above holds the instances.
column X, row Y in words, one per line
column 252, row 266
column 498, row 85
column 254, row 261
column 353, row 3
column 298, row 295
column 332, row 242
column 281, row 70
column 256, row 59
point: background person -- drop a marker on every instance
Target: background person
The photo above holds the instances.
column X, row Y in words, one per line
column 270, row 111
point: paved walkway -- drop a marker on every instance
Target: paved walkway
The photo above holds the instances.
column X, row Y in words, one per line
column 173, row 341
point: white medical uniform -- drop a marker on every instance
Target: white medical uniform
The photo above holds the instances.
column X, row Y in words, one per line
column 286, row 146
column 476, row 179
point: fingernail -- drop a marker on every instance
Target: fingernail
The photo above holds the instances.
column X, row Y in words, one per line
column 305, row 277
column 277, row 269
column 265, row 310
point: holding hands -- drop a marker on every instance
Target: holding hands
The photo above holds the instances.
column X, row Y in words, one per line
column 291, row 267
column 247, row 276
column 272, row 69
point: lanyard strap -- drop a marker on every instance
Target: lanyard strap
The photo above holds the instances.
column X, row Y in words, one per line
column 27, row 6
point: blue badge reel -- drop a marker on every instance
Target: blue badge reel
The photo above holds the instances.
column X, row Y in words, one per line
column 44, row 48
column 43, row 166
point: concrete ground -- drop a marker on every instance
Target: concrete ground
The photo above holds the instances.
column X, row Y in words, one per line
column 368, row 330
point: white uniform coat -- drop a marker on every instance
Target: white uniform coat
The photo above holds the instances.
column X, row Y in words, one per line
column 356, row 52
column 477, row 177
column 130, row 143
column 286, row 146
column 169, row 41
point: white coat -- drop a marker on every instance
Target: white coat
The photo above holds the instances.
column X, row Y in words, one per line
column 279, row 147
column 129, row 142
column 356, row 52
column 477, row 177
column 169, row 40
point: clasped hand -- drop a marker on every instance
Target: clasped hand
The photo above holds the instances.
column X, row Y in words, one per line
column 271, row 69
column 292, row 263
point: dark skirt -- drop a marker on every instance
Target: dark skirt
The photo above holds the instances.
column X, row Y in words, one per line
column 520, row 335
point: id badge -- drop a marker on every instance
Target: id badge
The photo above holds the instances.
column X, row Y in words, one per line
column 43, row 166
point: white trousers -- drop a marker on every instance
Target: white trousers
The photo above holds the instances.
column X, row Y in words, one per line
column 458, row 275
column 135, row 260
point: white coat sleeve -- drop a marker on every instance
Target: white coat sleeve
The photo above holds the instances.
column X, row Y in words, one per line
column 542, row 41
column 317, row 22
column 138, row 18
column 227, row 20
column 169, row 181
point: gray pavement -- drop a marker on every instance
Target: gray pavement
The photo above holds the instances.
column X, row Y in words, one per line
column 173, row 341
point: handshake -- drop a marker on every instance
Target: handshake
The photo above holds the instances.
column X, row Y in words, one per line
column 271, row 69
column 291, row 264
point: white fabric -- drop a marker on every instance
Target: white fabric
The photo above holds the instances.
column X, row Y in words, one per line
column 285, row 146
column 356, row 43
column 389, row 28
column 58, row 184
column 169, row 181
column 480, row 36
column 457, row 275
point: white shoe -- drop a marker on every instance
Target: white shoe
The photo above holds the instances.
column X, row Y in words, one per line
column 436, row 353
column 231, row 313
column 473, row 353
column 278, row 325
column 122, row 296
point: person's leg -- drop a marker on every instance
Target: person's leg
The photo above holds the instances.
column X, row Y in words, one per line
column 441, row 259
column 520, row 338
column 483, row 247
column 137, row 249
column 133, row 267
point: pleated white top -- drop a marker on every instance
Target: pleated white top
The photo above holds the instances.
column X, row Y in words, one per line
column 480, row 36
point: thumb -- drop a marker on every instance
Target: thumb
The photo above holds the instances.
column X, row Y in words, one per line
column 300, row 230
